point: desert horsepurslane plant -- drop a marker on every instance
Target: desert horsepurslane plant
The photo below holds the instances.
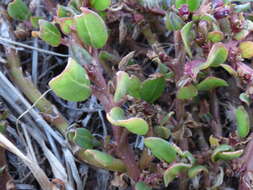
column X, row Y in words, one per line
column 210, row 37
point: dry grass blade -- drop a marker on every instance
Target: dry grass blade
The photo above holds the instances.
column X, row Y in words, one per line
column 35, row 169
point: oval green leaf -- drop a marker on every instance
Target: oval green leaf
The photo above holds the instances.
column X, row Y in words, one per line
column 49, row 33
column 243, row 122
column 187, row 92
column 72, row 84
column 210, row 83
column 173, row 171
column 100, row 5
column 91, row 28
column 18, row 10
column 101, row 160
column 83, row 138
column 152, row 89
column 215, row 36
column 135, row 125
column 161, row 149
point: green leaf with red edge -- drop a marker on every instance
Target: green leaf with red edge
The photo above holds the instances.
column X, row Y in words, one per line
column 72, row 84
column 173, row 171
column 152, row 88
column 91, row 28
column 100, row 5
column 134, row 124
column 18, row 10
column 187, row 92
column 217, row 56
column 101, row 160
column 142, row 186
column 242, row 121
column 210, row 83
column 65, row 24
column 49, row 33
column 161, row 149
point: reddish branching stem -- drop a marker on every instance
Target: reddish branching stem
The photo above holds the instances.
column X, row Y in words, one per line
column 101, row 91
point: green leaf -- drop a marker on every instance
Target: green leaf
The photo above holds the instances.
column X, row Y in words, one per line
column 122, row 85
column 173, row 21
column 218, row 55
column 229, row 69
column 162, row 132
column 210, row 83
column 91, row 28
column 189, row 156
column 243, row 122
column 184, row 154
column 63, row 11
column 219, row 149
column 35, row 21
column 134, row 85
column 230, row 155
column 161, row 149
column 18, row 10
column 245, row 98
column 73, row 83
column 126, row 85
column 80, row 54
column 173, row 171
column 195, row 170
column 142, row 186
column 187, row 36
column 101, row 160
column 65, row 24
column 49, row 33
column 187, row 92
column 83, row 138
column 192, row 4
column 134, row 124
column 152, row 89
column 246, row 49
column 100, row 5
column 215, row 36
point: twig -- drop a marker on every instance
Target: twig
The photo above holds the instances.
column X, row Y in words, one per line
column 6, row 40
